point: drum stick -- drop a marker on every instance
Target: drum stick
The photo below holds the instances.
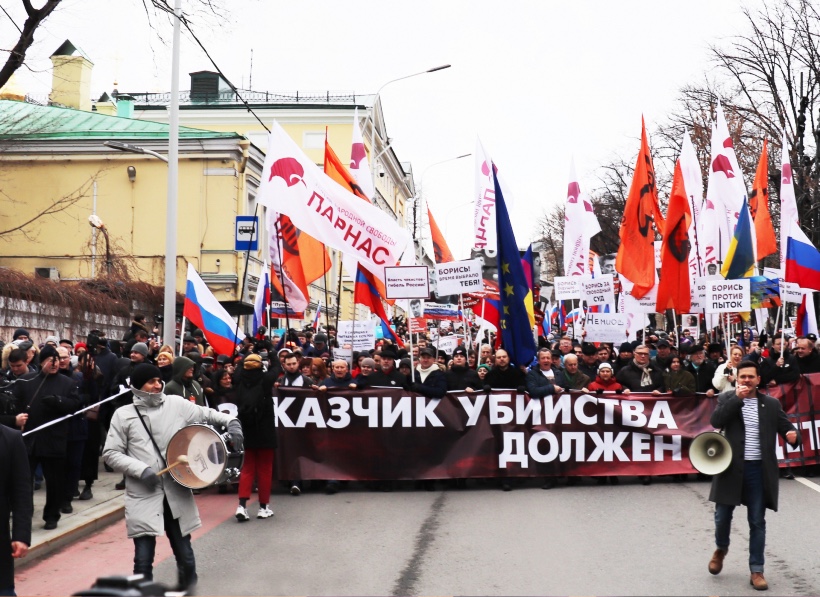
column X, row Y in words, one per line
column 180, row 460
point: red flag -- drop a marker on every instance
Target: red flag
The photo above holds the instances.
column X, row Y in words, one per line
column 303, row 260
column 759, row 206
column 673, row 289
column 440, row 249
column 636, row 253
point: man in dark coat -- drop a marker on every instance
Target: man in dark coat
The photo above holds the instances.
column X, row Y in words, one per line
column 15, row 503
column 779, row 367
column 541, row 379
column 386, row 373
column 640, row 375
column 46, row 396
column 808, row 359
column 750, row 421
column 428, row 378
column 702, row 368
column 460, row 376
column 339, row 378
column 504, row 375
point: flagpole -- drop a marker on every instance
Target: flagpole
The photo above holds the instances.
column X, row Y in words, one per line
column 339, row 295
column 282, row 275
column 324, row 283
column 181, row 335
column 245, row 277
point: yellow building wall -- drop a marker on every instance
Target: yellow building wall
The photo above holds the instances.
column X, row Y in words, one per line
column 133, row 213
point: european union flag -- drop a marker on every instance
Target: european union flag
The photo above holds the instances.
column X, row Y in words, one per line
column 514, row 290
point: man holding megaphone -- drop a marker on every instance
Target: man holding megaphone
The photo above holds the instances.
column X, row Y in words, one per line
column 750, row 421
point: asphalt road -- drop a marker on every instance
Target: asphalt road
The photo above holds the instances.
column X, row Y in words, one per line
column 628, row 539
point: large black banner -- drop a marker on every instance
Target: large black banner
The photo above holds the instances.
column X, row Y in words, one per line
column 390, row 434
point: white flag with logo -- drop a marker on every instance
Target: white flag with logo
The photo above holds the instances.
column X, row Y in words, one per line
column 293, row 185
column 484, row 216
column 693, row 185
column 580, row 225
column 788, row 201
column 359, row 167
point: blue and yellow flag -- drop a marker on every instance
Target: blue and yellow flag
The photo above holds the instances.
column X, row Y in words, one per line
column 740, row 258
column 516, row 318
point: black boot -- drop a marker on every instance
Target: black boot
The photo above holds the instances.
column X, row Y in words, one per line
column 187, row 578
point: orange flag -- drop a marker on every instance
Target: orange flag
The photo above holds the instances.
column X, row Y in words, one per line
column 636, row 253
column 759, row 206
column 336, row 170
column 304, row 259
column 673, row 288
column 440, row 249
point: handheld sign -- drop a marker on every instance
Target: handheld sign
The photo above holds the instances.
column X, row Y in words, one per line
column 727, row 296
column 566, row 288
column 606, row 327
column 407, row 282
column 365, row 337
column 598, row 290
column 458, row 277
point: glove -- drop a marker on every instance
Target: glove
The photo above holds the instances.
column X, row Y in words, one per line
column 235, row 435
column 521, row 389
column 149, row 477
column 51, row 401
column 487, row 389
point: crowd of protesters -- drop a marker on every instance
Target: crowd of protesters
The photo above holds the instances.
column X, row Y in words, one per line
column 46, row 381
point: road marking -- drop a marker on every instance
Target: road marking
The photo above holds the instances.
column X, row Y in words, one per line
column 809, row 484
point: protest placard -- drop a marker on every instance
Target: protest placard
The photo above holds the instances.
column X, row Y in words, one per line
column 566, row 288
column 407, row 282
column 727, row 296
column 598, row 290
column 606, row 327
column 458, row 277
column 365, row 334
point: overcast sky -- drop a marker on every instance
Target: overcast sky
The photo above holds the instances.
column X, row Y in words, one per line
column 538, row 81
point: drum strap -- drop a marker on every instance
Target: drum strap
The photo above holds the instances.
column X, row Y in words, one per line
column 148, row 431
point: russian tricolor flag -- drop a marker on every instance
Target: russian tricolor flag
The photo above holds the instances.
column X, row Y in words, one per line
column 203, row 310
column 802, row 260
column 260, row 305
column 316, row 318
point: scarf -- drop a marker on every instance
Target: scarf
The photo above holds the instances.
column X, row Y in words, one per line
column 646, row 377
column 423, row 373
column 148, row 399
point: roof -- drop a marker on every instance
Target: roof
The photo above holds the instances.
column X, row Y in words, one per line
column 21, row 120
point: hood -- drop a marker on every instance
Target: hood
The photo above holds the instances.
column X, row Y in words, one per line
column 180, row 366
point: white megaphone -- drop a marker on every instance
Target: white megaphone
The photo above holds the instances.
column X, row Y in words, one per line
column 710, row 453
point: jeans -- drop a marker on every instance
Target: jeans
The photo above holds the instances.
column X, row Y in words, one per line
column 755, row 511
column 144, row 548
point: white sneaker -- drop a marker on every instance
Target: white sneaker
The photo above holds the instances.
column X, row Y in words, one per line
column 242, row 514
column 294, row 490
column 265, row 512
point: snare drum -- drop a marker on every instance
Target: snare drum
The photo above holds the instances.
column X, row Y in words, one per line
column 209, row 460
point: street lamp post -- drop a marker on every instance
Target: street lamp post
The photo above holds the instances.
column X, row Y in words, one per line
column 373, row 117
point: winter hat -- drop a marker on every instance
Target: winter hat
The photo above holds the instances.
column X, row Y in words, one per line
column 47, row 352
column 252, row 361
column 605, row 365
column 52, row 340
column 21, row 332
column 142, row 374
column 368, row 362
column 141, row 348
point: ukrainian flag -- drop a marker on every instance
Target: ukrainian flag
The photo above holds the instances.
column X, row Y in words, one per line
column 740, row 258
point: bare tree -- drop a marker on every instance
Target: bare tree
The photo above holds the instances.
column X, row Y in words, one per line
column 155, row 10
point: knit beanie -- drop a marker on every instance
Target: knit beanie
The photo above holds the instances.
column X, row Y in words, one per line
column 143, row 373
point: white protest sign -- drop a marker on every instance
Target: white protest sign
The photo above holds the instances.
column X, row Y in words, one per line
column 566, row 288
column 727, row 296
column 645, row 304
column 691, row 322
column 699, row 291
column 447, row 344
column 344, row 354
column 599, row 290
column 789, row 291
column 407, row 282
column 658, row 258
column 458, row 277
column 365, row 334
column 606, row 327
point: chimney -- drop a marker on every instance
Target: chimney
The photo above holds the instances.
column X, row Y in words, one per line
column 71, row 81
column 125, row 105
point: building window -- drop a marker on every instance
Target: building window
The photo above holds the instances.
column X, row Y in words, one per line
column 313, row 140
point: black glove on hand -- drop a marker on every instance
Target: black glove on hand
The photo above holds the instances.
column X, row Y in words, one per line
column 149, row 477
column 235, row 434
column 51, row 401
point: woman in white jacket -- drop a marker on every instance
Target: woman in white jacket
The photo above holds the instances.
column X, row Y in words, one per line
column 724, row 379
